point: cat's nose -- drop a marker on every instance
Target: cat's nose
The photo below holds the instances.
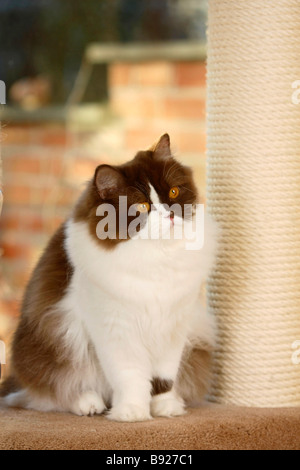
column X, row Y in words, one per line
column 164, row 212
column 161, row 210
column 166, row 215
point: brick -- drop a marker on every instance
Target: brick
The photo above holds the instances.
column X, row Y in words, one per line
column 9, row 222
column 52, row 223
column 26, row 134
column 186, row 141
column 153, row 74
column 22, row 164
column 20, row 221
column 119, row 75
column 26, row 195
column 56, row 165
column 15, row 135
column 31, row 222
column 34, row 160
column 10, row 307
column 190, row 74
column 57, row 220
column 65, row 197
column 137, row 105
column 183, row 108
column 141, row 138
column 81, row 169
column 59, row 139
column 43, row 195
column 14, row 250
column 34, row 223
column 17, row 194
column 18, row 278
column 52, row 136
column 191, row 141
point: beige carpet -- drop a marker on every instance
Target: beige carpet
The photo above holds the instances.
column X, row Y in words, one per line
column 210, row 427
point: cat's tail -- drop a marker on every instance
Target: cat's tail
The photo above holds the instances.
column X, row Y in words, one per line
column 9, row 385
column 195, row 372
column 194, row 376
column 12, row 394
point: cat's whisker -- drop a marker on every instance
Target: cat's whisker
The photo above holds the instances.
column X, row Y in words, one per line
column 169, row 170
column 187, row 189
column 164, row 170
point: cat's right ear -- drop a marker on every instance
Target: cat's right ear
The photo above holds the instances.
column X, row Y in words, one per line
column 108, row 181
column 162, row 149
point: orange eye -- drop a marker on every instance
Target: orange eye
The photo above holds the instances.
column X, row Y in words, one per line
column 174, row 192
column 143, row 207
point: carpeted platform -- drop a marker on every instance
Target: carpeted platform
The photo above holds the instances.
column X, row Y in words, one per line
column 206, row 428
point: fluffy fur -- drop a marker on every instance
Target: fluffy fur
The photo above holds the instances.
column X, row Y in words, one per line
column 117, row 325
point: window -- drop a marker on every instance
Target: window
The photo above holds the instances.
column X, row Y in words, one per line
column 42, row 43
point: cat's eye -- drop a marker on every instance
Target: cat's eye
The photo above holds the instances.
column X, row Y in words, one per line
column 174, row 192
column 143, row 207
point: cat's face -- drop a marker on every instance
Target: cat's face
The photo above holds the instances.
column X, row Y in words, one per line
column 146, row 198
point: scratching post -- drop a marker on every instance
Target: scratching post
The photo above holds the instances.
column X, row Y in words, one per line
column 254, row 194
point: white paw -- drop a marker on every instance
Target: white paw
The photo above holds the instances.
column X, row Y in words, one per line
column 88, row 404
column 167, row 405
column 129, row 413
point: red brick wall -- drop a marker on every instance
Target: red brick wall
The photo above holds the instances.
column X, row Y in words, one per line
column 45, row 166
column 158, row 97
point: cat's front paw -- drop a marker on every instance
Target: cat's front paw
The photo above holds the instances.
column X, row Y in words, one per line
column 167, row 405
column 88, row 404
column 129, row 413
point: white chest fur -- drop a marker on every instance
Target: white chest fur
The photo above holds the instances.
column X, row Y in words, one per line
column 141, row 296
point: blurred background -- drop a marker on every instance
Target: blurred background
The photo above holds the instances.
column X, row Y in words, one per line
column 88, row 82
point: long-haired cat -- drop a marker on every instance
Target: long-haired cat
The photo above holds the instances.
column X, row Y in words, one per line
column 116, row 323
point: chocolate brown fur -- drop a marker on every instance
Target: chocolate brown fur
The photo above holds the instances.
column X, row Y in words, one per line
column 161, row 386
column 36, row 357
column 194, row 375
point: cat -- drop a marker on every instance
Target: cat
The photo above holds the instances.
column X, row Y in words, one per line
column 116, row 325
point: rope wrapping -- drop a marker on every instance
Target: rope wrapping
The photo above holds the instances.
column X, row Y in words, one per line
column 253, row 191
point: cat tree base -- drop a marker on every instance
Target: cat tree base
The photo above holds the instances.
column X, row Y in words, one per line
column 212, row 427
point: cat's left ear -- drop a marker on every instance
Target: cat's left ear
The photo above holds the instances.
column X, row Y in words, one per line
column 108, row 181
column 162, row 149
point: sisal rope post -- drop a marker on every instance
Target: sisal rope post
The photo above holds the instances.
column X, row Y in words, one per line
column 254, row 194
